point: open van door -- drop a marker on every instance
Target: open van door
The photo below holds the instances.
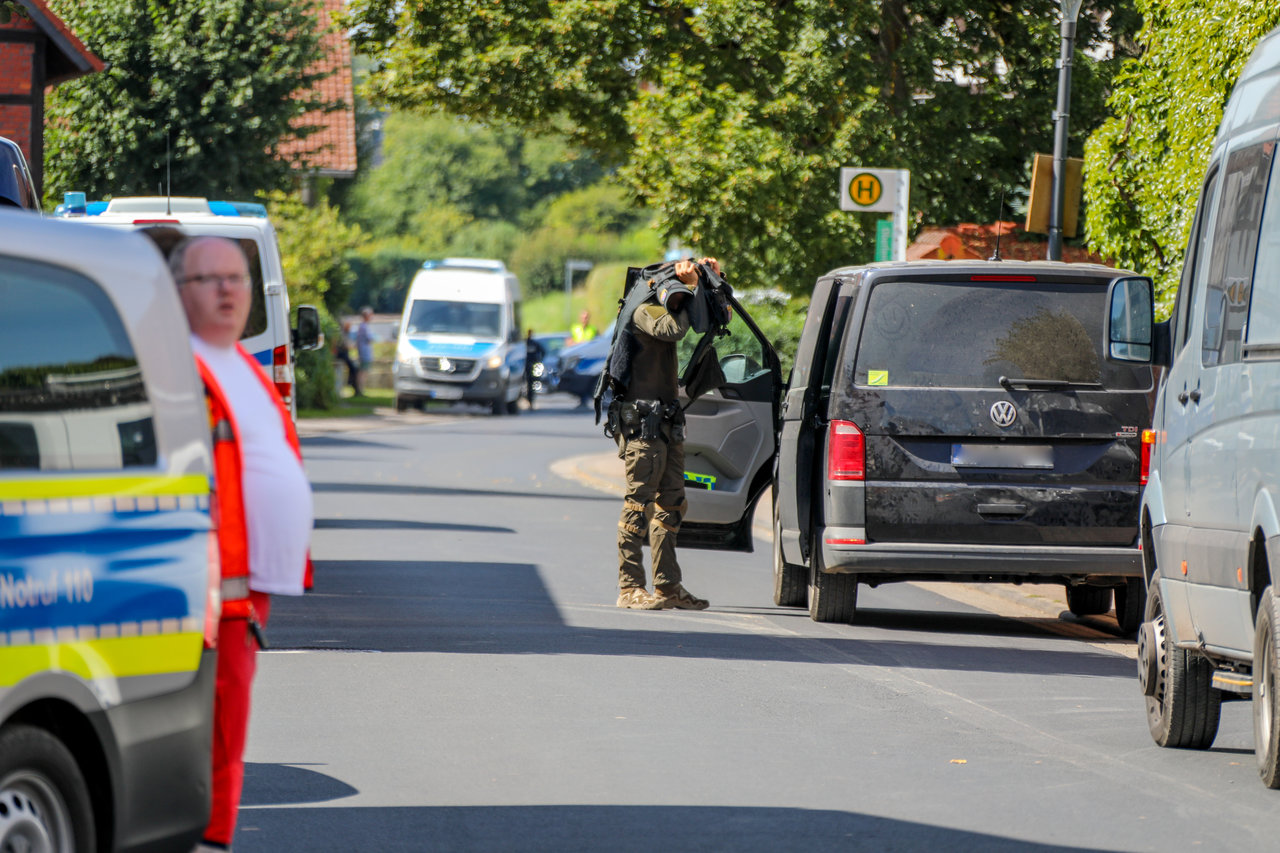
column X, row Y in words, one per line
column 731, row 438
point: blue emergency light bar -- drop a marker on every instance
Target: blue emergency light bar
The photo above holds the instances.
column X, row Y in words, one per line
column 74, row 204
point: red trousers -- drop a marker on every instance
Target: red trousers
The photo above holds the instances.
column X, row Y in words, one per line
column 237, row 662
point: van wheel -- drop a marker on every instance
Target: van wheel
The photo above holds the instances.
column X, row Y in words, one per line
column 790, row 587
column 513, row 406
column 1266, row 709
column 44, row 802
column 1182, row 706
column 402, row 405
column 832, row 597
column 1088, row 600
column 498, row 407
column 1130, row 597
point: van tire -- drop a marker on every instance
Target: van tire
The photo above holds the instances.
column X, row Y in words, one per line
column 1131, row 598
column 38, row 776
column 790, row 583
column 498, row 407
column 1266, row 680
column 402, row 405
column 1088, row 600
column 832, row 597
column 1183, row 710
column 513, row 406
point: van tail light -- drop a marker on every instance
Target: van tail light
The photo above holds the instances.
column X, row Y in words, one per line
column 846, row 452
column 282, row 374
column 213, row 594
column 1148, row 439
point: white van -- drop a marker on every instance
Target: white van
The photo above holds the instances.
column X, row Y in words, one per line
column 460, row 336
column 268, row 335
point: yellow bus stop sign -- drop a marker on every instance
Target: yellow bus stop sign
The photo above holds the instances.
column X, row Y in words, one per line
column 865, row 189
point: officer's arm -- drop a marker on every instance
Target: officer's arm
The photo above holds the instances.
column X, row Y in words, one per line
column 656, row 322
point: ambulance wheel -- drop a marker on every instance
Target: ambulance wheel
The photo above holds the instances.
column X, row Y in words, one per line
column 44, row 802
column 832, row 597
column 1182, row 706
column 1088, row 600
column 789, row 582
column 1266, row 708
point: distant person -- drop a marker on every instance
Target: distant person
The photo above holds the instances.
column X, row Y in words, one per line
column 534, row 353
column 583, row 330
column 364, row 345
column 342, row 352
column 264, row 506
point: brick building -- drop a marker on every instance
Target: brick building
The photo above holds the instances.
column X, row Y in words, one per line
column 37, row 50
column 329, row 152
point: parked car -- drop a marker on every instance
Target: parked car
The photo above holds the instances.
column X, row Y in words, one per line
column 109, row 580
column 1210, row 527
column 581, row 365
column 16, row 186
column 944, row 420
column 546, row 373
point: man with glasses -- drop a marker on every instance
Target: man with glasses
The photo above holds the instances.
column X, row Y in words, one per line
column 263, row 500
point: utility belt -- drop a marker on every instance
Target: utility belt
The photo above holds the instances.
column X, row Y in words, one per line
column 645, row 419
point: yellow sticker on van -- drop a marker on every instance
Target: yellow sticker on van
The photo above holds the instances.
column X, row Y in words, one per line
column 877, row 377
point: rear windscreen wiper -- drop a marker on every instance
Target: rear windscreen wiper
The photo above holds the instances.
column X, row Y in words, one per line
column 1047, row 383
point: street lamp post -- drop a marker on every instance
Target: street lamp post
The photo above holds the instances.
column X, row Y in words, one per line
column 570, row 267
column 1070, row 13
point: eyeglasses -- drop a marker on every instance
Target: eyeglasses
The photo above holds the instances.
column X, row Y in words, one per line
column 235, row 281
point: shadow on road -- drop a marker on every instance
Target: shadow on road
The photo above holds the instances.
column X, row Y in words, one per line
column 504, row 608
column 618, row 829
column 451, row 491
column 400, row 524
column 289, row 784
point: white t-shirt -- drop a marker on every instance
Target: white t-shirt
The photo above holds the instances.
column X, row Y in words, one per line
column 277, row 496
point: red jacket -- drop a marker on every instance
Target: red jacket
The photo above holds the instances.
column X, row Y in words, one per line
column 228, row 504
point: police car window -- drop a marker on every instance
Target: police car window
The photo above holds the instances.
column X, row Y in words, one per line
column 257, row 323
column 71, row 389
column 1235, row 243
column 1264, row 307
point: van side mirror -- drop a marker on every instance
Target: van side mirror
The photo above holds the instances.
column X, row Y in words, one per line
column 307, row 334
column 1129, row 325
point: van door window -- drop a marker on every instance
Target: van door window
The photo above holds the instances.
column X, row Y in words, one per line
column 1263, row 326
column 257, row 323
column 71, row 389
column 1195, row 265
column 1235, row 244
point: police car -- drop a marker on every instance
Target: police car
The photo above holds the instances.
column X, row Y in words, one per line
column 108, row 565
column 267, row 336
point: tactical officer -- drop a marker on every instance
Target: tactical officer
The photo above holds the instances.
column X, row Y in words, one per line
column 648, row 424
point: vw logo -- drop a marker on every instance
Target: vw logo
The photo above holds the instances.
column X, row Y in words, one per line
column 1003, row 414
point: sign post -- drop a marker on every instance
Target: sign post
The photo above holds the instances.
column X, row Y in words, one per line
column 879, row 191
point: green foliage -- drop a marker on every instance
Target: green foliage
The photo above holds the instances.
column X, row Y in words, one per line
column 383, row 271
column 211, row 81
column 729, row 119
column 313, row 248
column 1143, row 166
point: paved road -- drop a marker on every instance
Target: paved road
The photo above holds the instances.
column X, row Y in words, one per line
column 460, row 680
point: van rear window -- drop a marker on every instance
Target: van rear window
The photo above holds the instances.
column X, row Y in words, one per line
column 970, row 334
column 437, row 316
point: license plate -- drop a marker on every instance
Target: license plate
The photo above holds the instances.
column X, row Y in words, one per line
column 444, row 393
column 1002, row 456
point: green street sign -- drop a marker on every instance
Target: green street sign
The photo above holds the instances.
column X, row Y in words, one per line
column 884, row 240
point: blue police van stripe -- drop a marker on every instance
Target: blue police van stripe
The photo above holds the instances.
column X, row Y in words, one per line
column 451, row 349
column 264, row 357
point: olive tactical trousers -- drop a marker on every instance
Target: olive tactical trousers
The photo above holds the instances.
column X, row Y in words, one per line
column 654, row 501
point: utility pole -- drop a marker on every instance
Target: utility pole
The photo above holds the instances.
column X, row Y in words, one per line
column 1070, row 13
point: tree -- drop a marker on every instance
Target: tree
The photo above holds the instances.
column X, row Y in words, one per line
column 202, row 90
column 1144, row 165
column 731, row 118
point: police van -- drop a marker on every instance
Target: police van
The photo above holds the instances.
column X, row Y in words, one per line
column 267, row 336
column 460, row 337
column 109, row 574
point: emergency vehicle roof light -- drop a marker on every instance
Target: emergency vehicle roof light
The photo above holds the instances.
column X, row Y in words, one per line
column 466, row 264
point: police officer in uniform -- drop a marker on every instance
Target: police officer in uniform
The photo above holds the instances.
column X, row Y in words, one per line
column 648, row 425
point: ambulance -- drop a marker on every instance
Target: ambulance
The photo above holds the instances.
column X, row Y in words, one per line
column 109, row 576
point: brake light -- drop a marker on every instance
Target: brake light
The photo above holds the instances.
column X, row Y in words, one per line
column 213, row 594
column 282, row 373
column 846, row 452
column 1148, row 439
column 1002, row 278
column 839, row 541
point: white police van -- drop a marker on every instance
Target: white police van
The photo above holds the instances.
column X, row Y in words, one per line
column 460, row 337
column 267, row 335
column 109, row 573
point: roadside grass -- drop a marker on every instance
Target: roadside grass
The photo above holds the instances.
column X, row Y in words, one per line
column 348, row 407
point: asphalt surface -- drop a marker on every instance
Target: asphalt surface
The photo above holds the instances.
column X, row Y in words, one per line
column 460, row 680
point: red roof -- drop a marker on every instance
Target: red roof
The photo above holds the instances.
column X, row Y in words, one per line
column 331, row 150
column 969, row 241
column 69, row 58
